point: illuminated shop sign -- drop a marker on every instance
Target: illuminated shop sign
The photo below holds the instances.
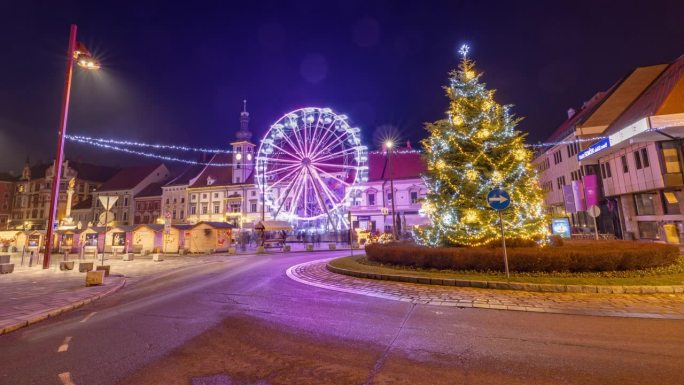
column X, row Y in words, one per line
column 594, row 148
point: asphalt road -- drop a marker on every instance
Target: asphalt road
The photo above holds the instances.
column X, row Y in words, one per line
column 243, row 321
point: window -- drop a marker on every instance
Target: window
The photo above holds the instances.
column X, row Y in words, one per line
column 560, row 182
column 557, row 157
column 173, row 215
column 167, row 201
column 253, row 193
column 216, row 209
column 237, row 179
column 648, row 230
column 252, row 207
column 182, row 214
column 182, row 200
column 125, row 216
column 174, row 201
column 371, row 199
column 204, row 196
column 644, row 204
column 637, row 160
column 205, row 208
column 625, row 167
column 671, row 157
column 193, row 197
column 671, row 203
column 389, row 197
column 414, row 196
column 608, row 173
column 603, row 170
column 644, row 157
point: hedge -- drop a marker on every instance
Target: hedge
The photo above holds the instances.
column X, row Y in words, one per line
column 571, row 256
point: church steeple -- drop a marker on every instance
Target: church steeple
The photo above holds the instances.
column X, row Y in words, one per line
column 244, row 133
column 26, row 171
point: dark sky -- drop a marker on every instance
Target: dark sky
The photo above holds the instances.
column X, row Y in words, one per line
column 176, row 72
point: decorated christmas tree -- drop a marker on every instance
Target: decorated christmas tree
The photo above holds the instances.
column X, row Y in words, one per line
column 473, row 151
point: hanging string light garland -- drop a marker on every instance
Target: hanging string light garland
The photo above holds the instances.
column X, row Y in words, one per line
column 145, row 154
column 129, row 143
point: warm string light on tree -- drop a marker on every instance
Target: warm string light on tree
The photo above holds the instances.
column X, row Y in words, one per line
column 473, row 151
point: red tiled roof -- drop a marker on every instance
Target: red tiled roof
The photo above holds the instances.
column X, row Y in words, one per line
column 405, row 165
column 128, row 178
column 216, row 175
column 152, row 190
column 568, row 126
column 186, row 175
column 658, row 98
column 93, row 172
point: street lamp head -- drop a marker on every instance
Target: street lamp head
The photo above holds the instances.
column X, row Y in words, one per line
column 389, row 144
column 88, row 63
column 84, row 58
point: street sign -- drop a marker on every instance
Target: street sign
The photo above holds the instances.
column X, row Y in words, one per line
column 594, row 211
column 498, row 199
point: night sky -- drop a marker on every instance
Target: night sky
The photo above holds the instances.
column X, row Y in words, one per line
column 177, row 73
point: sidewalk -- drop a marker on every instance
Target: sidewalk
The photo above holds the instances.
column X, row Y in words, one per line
column 32, row 294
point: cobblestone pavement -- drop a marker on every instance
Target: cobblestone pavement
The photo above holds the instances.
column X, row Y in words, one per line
column 670, row 306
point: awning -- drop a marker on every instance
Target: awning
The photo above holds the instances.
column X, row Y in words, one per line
column 277, row 226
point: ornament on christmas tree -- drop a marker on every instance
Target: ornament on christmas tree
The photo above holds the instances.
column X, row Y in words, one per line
column 475, row 150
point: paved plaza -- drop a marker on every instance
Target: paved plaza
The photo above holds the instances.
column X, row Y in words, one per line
column 620, row 305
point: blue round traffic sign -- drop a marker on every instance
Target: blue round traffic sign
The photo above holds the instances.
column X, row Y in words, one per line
column 498, row 199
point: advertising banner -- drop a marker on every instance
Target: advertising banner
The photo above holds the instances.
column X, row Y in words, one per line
column 561, row 227
column 569, row 199
column 578, row 192
column 591, row 193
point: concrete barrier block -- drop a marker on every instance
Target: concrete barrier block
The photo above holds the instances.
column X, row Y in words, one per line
column 5, row 258
column 104, row 268
column 66, row 265
column 95, row 277
column 332, row 246
column 85, row 266
column 260, row 250
column 310, row 247
column 157, row 257
column 127, row 256
column 287, row 248
column 6, row 268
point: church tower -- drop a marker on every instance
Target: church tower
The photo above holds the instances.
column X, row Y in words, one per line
column 243, row 149
column 26, row 171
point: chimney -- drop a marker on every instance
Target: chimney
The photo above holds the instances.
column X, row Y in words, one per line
column 571, row 112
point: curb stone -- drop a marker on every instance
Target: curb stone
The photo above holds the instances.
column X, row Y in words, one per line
column 50, row 313
column 521, row 286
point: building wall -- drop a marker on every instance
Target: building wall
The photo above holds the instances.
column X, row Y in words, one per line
column 6, row 196
column 148, row 210
column 175, row 201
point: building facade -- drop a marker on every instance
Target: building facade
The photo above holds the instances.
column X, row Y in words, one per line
column 623, row 151
column 7, row 187
column 120, row 191
column 372, row 209
column 32, row 191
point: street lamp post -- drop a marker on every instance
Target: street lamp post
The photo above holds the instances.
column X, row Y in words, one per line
column 389, row 145
column 85, row 60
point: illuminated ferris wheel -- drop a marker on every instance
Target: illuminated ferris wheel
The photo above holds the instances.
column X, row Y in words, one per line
column 309, row 165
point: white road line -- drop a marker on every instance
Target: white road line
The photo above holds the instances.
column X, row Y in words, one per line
column 89, row 316
column 66, row 378
column 64, row 346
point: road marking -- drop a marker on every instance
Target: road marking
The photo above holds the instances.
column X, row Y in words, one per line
column 64, row 346
column 89, row 316
column 66, row 378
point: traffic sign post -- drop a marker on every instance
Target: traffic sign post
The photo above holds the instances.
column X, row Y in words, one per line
column 594, row 211
column 499, row 200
